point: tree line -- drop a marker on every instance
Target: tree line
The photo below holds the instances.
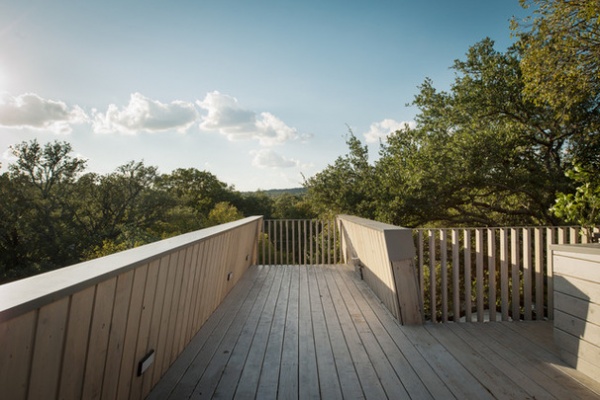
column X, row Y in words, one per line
column 53, row 213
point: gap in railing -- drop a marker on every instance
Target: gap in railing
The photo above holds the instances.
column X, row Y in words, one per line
column 299, row 242
column 489, row 274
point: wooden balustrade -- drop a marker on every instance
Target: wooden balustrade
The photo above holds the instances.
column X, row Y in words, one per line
column 299, row 242
column 385, row 254
column 481, row 274
column 83, row 331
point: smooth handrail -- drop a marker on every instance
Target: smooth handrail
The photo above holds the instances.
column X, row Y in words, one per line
column 27, row 294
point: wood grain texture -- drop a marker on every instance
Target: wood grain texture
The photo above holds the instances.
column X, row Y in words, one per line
column 250, row 348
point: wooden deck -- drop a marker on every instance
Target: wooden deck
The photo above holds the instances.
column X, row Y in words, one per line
column 318, row 332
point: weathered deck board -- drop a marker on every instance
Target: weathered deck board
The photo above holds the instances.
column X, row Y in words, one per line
column 317, row 332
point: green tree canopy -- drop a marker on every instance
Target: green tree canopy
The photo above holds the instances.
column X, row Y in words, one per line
column 561, row 60
column 346, row 187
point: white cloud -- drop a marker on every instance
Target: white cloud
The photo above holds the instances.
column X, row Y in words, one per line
column 267, row 158
column 32, row 111
column 381, row 130
column 227, row 117
column 145, row 115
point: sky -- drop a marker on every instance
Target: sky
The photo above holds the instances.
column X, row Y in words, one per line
column 260, row 93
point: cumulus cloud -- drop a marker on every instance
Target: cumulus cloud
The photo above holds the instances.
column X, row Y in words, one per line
column 145, row 115
column 226, row 116
column 32, row 111
column 380, row 130
column 267, row 158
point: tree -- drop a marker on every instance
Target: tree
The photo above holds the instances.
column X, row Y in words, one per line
column 346, row 186
column 482, row 153
column 223, row 212
column 561, row 60
column 581, row 207
column 42, row 226
column 289, row 206
column 200, row 190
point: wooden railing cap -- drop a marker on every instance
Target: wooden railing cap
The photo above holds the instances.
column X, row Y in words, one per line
column 30, row 293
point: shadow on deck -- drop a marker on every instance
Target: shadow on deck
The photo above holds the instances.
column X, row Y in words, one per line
column 319, row 332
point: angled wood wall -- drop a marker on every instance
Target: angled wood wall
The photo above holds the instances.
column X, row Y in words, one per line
column 386, row 255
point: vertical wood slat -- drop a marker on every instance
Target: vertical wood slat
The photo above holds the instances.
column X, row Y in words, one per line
column 128, row 362
column 49, row 341
column 17, row 336
column 76, row 343
column 163, row 326
column 444, row 272
column 116, row 346
column 527, row 267
column 550, row 239
column 504, row 289
column 99, row 336
column 492, row 273
column 456, row 274
column 142, row 349
column 432, row 277
column 184, row 301
column 155, row 321
column 479, row 273
column 421, row 266
column 515, row 280
column 573, row 235
column 192, row 326
column 467, row 274
column 539, row 273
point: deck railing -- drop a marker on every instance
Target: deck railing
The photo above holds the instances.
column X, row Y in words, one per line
column 109, row 328
column 299, row 242
column 464, row 274
column 481, row 274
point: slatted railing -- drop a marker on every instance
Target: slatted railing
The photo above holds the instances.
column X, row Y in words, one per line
column 299, row 242
column 89, row 330
column 481, row 274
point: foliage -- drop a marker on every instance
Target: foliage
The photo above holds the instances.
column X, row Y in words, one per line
column 581, row 207
column 55, row 214
column 561, row 62
column 346, row 187
column 481, row 154
column 223, row 212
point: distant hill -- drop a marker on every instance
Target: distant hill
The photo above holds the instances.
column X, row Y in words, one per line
column 279, row 192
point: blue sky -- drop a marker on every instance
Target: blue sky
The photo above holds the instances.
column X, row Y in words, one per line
column 259, row 93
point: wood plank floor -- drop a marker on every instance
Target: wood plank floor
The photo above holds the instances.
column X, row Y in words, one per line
column 318, row 332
